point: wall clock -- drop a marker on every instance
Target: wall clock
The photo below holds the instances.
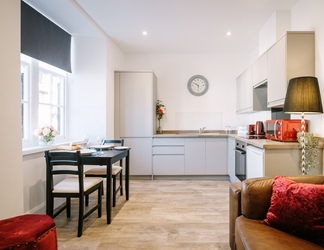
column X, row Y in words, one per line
column 198, row 85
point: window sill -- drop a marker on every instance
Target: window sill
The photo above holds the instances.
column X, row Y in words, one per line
column 39, row 149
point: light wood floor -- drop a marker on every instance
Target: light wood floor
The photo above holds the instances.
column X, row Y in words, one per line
column 160, row 214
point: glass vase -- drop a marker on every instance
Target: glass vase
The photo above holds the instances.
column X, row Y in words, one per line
column 159, row 129
column 42, row 142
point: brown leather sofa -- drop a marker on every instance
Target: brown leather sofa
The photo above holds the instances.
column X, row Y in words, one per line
column 249, row 203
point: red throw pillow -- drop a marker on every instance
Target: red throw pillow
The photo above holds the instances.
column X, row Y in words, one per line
column 298, row 209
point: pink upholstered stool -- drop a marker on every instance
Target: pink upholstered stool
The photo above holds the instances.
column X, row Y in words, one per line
column 26, row 232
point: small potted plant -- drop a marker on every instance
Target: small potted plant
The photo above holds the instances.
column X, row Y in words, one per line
column 160, row 111
column 46, row 134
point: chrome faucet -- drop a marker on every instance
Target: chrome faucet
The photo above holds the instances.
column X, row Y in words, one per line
column 201, row 130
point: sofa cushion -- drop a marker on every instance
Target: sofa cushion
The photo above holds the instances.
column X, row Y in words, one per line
column 298, row 209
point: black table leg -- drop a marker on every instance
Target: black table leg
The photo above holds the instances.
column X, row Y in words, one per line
column 108, row 192
column 127, row 176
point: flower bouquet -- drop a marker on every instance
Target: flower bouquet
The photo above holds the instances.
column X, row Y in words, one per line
column 46, row 134
column 160, row 111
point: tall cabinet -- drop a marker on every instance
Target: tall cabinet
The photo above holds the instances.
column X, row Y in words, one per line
column 135, row 118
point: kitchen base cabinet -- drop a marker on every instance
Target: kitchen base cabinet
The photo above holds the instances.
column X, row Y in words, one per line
column 287, row 162
column 272, row 162
column 254, row 162
column 168, row 165
column 203, row 157
column 216, row 156
column 195, row 160
column 140, row 156
column 168, row 156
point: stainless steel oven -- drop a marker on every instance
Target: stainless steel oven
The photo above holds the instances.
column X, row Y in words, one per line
column 240, row 160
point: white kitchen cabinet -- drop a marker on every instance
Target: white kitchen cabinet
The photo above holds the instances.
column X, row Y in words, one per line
column 244, row 90
column 254, row 162
column 135, row 118
column 140, row 155
column 292, row 56
column 260, row 70
column 216, row 156
column 135, row 100
column 195, row 156
column 168, row 156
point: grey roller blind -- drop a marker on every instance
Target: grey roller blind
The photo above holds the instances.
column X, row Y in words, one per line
column 44, row 40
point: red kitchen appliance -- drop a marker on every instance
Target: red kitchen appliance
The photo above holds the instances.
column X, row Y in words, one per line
column 251, row 129
column 283, row 130
column 259, row 128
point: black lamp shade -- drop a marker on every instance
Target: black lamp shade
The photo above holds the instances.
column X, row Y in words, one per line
column 303, row 96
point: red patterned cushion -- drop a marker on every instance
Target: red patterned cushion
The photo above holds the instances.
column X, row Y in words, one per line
column 28, row 232
column 298, row 209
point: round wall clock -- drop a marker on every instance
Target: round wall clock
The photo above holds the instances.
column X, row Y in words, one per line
column 198, row 85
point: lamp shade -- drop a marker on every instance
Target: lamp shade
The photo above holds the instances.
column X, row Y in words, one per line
column 303, row 96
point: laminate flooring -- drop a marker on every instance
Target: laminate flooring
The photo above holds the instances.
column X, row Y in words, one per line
column 159, row 215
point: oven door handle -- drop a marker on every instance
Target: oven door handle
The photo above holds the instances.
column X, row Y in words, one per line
column 240, row 151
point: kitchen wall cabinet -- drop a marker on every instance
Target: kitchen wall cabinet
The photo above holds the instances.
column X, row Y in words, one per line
column 249, row 98
column 292, row 56
column 168, row 156
column 134, row 117
column 244, row 89
column 260, row 70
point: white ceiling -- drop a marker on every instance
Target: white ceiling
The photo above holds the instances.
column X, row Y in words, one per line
column 173, row 26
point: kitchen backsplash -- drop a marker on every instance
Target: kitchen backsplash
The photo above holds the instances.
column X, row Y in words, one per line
column 196, row 120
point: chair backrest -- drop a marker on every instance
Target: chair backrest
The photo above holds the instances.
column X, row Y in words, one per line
column 57, row 159
column 119, row 142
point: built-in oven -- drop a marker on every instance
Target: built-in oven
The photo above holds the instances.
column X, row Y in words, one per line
column 240, row 160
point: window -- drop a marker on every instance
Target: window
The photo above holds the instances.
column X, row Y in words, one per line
column 24, row 98
column 42, row 98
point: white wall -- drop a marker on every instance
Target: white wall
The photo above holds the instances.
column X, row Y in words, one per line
column 91, row 88
column 307, row 15
column 86, row 89
column 11, row 174
column 274, row 28
column 173, row 72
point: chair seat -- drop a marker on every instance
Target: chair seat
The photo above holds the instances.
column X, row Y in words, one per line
column 102, row 170
column 71, row 184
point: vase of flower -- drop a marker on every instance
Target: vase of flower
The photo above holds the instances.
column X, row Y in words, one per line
column 159, row 129
column 160, row 111
column 46, row 135
column 44, row 143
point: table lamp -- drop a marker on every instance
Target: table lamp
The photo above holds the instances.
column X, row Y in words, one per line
column 303, row 97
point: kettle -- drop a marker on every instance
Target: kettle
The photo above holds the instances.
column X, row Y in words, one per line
column 259, row 128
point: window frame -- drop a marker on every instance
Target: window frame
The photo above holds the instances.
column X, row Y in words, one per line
column 34, row 69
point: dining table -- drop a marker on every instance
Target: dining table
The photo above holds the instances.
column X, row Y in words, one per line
column 108, row 158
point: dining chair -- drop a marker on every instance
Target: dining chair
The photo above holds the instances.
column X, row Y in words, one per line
column 74, row 185
column 101, row 171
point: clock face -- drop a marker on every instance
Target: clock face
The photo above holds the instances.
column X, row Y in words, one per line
column 198, row 85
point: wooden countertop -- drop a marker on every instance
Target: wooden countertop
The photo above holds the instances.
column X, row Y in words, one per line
column 260, row 143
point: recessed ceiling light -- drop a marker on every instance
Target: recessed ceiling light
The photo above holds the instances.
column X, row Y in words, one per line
column 144, row 33
column 228, row 33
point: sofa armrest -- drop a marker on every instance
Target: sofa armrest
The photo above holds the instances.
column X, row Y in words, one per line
column 234, row 210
